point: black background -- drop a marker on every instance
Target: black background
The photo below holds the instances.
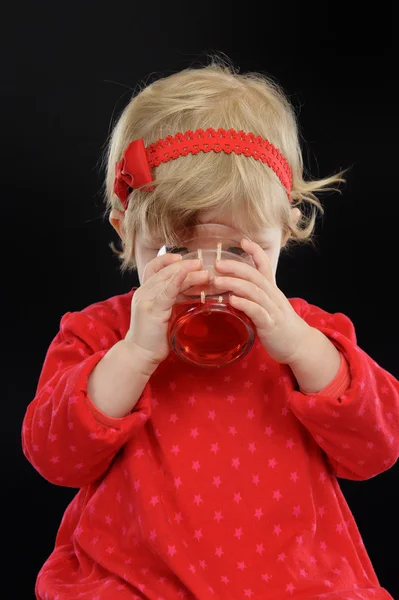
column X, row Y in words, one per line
column 66, row 70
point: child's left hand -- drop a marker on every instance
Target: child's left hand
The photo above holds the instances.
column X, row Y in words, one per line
column 282, row 332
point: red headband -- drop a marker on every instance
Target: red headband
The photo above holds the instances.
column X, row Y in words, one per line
column 134, row 170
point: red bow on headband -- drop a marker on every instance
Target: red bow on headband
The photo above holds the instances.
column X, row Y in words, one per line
column 134, row 170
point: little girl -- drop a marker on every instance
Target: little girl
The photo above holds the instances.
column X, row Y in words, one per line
column 203, row 483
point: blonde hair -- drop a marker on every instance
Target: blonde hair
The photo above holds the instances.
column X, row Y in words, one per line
column 213, row 96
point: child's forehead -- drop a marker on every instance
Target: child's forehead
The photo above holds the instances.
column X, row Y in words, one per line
column 227, row 221
column 211, row 223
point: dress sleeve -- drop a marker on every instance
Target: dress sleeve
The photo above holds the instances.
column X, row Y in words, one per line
column 357, row 427
column 67, row 439
column 339, row 384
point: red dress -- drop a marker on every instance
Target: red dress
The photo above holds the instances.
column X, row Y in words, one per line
column 221, row 484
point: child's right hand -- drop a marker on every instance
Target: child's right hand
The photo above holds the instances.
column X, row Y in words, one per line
column 163, row 280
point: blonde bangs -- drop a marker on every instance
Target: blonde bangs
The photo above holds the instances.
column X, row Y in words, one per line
column 242, row 187
column 217, row 183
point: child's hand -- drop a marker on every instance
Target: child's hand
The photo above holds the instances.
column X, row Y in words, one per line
column 164, row 278
column 280, row 329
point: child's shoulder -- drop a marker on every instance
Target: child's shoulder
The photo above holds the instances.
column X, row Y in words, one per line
column 110, row 314
column 302, row 307
column 114, row 306
column 321, row 319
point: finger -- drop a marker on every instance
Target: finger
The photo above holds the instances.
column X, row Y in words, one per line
column 158, row 285
column 248, row 273
column 258, row 315
column 239, row 269
column 167, row 295
column 166, row 273
column 195, row 278
column 260, row 258
column 246, row 289
column 159, row 263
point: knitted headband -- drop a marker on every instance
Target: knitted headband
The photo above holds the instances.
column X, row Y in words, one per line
column 134, row 170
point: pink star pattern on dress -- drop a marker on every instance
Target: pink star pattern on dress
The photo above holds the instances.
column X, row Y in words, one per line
column 238, row 533
column 177, row 482
column 258, row 513
column 211, row 473
column 178, row 517
column 215, row 448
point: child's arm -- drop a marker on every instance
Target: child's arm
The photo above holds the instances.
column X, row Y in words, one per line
column 67, row 435
column 358, row 429
column 118, row 380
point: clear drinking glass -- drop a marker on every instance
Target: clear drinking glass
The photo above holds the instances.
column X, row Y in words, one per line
column 204, row 329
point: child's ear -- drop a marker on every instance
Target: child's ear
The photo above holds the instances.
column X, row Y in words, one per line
column 295, row 216
column 117, row 220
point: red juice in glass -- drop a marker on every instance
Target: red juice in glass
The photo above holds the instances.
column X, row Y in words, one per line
column 212, row 334
column 204, row 329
